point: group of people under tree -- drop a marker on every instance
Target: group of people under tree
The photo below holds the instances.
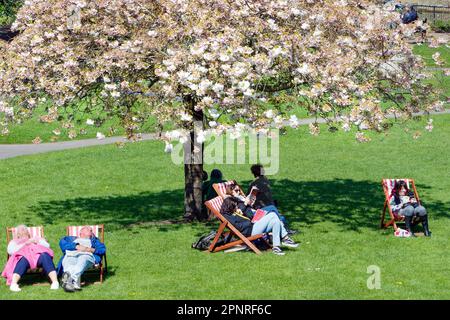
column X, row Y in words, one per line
column 79, row 254
column 83, row 251
column 240, row 210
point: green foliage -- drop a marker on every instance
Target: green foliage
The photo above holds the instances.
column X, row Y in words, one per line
column 8, row 10
column 441, row 25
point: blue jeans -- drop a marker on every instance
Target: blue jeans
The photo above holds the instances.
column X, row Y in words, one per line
column 270, row 223
column 45, row 262
column 272, row 208
column 77, row 265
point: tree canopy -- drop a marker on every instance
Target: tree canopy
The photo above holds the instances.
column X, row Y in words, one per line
column 225, row 59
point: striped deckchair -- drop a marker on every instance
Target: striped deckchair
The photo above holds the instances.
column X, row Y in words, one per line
column 220, row 188
column 99, row 232
column 214, row 205
column 34, row 232
column 388, row 185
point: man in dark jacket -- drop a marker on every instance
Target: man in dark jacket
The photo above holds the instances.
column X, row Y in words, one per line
column 79, row 254
column 410, row 15
column 264, row 199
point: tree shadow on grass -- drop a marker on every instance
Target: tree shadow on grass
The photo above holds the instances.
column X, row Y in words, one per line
column 348, row 203
column 163, row 209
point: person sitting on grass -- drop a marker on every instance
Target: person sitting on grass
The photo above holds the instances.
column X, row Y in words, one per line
column 268, row 223
column 264, row 199
column 79, row 254
column 28, row 253
column 404, row 203
column 207, row 187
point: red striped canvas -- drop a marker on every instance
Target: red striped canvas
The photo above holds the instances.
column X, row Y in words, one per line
column 222, row 187
column 34, row 232
column 216, row 203
column 75, row 230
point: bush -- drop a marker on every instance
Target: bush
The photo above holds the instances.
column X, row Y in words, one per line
column 441, row 26
column 8, row 10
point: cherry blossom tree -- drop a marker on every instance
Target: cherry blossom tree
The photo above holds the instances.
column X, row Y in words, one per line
column 217, row 62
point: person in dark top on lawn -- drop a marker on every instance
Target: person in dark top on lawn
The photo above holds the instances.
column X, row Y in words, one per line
column 207, row 187
column 410, row 15
column 264, row 199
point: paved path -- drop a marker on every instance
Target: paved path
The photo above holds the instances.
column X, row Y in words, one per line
column 15, row 150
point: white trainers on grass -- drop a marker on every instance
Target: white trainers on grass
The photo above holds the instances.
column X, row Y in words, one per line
column 54, row 286
column 14, row 287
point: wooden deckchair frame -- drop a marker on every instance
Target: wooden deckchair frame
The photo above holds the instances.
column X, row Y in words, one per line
column 9, row 237
column 225, row 224
column 102, row 267
column 387, row 206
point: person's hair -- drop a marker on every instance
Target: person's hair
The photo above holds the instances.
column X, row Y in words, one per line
column 21, row 226
column 205, row 175
column 230, row 187
column 398, row 186
column 256, row 169
column 86, row 227
column 229, row 206
column 216, row 174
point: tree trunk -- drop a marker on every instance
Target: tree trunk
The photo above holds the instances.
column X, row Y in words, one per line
column 193, row 169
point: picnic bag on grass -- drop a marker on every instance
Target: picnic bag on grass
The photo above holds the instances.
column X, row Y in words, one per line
column 204, row 241
column 401, row 233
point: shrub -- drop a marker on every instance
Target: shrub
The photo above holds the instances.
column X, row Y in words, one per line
column 441, row 26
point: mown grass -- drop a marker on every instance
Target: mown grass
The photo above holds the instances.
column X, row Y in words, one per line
column 328, row 186
column 426, row 53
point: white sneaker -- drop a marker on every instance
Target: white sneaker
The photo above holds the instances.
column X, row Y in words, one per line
column 14, row 287
column 54, row 286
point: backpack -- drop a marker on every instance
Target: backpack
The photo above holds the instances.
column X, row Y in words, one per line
column 205, row 241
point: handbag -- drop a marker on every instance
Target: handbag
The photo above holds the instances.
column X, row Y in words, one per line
column 401, row 233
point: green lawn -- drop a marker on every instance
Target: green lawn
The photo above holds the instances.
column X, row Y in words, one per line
column 328, row 186
column 427, row 53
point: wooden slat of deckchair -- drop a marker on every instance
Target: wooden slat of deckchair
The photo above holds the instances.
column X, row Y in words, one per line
column 213, row 205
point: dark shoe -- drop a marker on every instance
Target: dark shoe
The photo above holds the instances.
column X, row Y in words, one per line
column 68, row 287
column 408, row 222
column 278, row 251
column 288, row 242
column 426, row 231
column 291, row 232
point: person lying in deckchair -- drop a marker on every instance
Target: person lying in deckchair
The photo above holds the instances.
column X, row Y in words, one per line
column 248, row 226
column 26, row 253
column 404, row 203
column 80, row 253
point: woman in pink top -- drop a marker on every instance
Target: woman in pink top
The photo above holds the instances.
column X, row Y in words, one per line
column 28, row 253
